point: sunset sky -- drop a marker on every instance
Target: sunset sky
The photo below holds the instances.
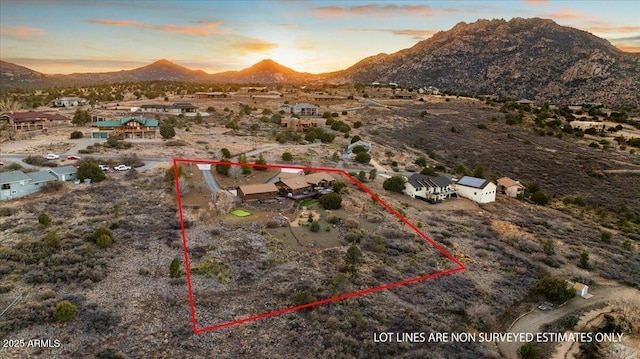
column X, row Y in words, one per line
column 55, row 36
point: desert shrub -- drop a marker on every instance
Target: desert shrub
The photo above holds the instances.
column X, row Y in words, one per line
column 211, row 267
column 52, row 186
column 104, row 241
column 287, row 156
column 64, row 311
column 39, row 161
column 529, row 351
column 303, row 297
column 44, row 219
column 75, row 135
column 353, row 237
column 353, row 258
column 315, row 226
column 7, row 212
column 333, row 219
column 131, row 160
column 363, row 157
column 272, row 224
column 330, row 201
column 52, row 239
column 92, row 171
column 174, row 268
column 351, row 223
column 167, row 131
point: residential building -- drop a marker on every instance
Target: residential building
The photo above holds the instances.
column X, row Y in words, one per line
column 302, row 186
column 320, row 98
column 253, row 89
column 211, row 94
column 257, row 192
column 581, row 289
column 69, row 101
column 130, row 127
column 33, row 120
column 305, row 109
column 294, row 186
column 176, row 108
column 476, row 189
column 64, row 173
column 402, row 96
column 299, row 124
column 430, row 188
column 17, row 184
column 510, row 187
column 585, row 125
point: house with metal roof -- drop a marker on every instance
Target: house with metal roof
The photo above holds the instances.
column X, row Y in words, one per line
column 510, row 187
column 476, row 189
column 16, row 184
column 130, row 127
column 64, row 173
column 429, row 188
column 257, row 192
column 33, row 120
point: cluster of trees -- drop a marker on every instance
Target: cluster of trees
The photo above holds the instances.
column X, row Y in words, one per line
column 338, row 125
column 315, row 133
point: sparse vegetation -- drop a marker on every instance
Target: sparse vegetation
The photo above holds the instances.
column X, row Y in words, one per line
column 64, row 311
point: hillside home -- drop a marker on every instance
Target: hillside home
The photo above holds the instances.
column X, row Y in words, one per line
column 254, row 89
column 320, row 98
column 349, row 153
column 64, row 173
column 429, row 188
column 478, row 190
column 299, row 124
column 33, row 120
column 68, row 102
column 305, row 109
column 257, row 192
column 303, row 186
column 176, row 108
column 585, row 125
column 512, row 188
column 17, row 184
column 130, row 127
column 211, row 94
column 402, row 96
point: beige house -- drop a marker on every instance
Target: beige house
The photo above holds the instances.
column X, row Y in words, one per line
column 510, row 187
column 585, row 125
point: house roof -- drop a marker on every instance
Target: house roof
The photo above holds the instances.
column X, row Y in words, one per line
column 29, row 115
column 508, row 182
column 40, row 176
column 258, row 188
column 298, row 182
column 143, row 121
column 304, row 105
column 289, row 175
column 579, row 286
column 318, row 177
column 419, row 180
column 13, row 176
column 64, row 170
column 473, row 182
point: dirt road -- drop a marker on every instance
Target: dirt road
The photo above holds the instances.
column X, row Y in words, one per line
column 533, row 322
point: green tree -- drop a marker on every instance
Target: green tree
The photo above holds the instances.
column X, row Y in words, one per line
column 75, row 135
column 394, row 184
column 363, row 157
column 174, row 268
column 554, row 289
column 92, row 171
column 242, row 158
column 357, row 124
column 353, row 258
column 223, row 168
column 287, row 156
column 529, row 351
column 421, row 161
column 478, row 171
column 330, row 200
column 44, row 219
column 167, row 131
column 540, row 198
column 355, row 139
column 225, row 153
column 362, row 176
column 261, row 161
column 64, row 311
column 81, row 117
column 315, row 226
column 372, row 174
column 584, row 260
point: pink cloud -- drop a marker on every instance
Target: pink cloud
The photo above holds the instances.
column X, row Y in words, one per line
column 570, row 14
column 210, row 27
column 537, row 2
column 628, row 48
column 416, row 33
column 611, row 29
column 21, row 31
column 340, row 11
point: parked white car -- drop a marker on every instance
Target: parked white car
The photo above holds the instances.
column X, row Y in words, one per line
column 103, row 167
column 121, row 168
column 51, row 156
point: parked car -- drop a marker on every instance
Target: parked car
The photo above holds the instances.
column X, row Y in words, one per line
column 103, row 167
column 122, row 168
column 51, row 156
column 73, row 158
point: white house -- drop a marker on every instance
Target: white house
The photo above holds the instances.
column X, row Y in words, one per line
column 585, row 125
column 429, row 188
column 476, row 189
column 69, row 101
column 64, row 173
column 581, row 289
column 305, row 109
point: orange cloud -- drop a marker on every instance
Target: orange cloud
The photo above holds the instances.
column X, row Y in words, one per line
column 570, row 14
column 416, row 33
column 247, row 45
column 340, row 11
column 21, row 31
column 611, row 29
column 210, row 26
column 537, row 2
column 628, row 48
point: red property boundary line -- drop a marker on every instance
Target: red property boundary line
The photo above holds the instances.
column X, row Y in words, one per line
column 197, row 330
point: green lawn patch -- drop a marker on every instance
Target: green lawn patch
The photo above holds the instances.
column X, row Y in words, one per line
column 308, row 203
column 240, row 213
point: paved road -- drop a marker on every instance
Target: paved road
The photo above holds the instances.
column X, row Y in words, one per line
column 533, row 322
column 209, row 179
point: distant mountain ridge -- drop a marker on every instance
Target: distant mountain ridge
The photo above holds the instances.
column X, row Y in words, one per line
column 520, row 58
